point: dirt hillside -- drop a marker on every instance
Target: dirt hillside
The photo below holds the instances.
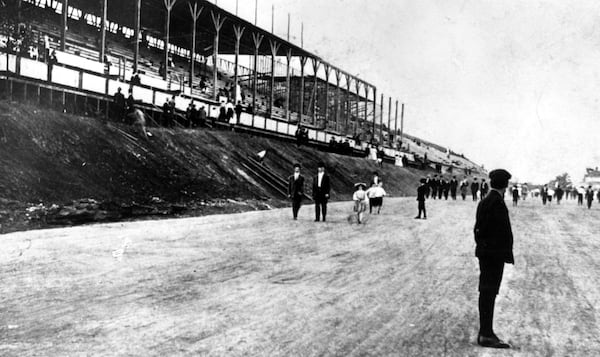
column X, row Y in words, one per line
column 61, row 169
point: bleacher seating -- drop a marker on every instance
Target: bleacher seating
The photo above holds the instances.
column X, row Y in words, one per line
column 80, row 67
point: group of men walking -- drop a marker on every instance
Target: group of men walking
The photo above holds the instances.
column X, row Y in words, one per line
column 440, row 187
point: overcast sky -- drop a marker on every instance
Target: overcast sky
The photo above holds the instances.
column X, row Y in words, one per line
column 512, row 84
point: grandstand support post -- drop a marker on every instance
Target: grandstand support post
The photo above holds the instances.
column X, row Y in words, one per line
column 169, row 6
column 257, row 38
column 402, row 123
column 101, row 53
column 396, row 121
column 287, row 83
column 136, row 34
column 302, row 64
column 381, row 120
column 389, row 119
column 274, row 49
column 366, row 113
column 374, row 113
column 218, row 22
column 338, row 79
column 327, row 73
column 316, row 64
column 19, row 6
column 195, row 13
column 63, row 24
column 357, row 116
column 348, row 109
column 239, row 31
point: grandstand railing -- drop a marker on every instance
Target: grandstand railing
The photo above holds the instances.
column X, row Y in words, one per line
column 91, row 79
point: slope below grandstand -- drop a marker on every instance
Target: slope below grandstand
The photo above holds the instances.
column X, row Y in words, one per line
column 96, row 170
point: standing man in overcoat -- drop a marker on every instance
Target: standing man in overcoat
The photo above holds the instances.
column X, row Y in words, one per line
column 494, row 248
column 453, row 187
column 296, row 190
column 320, row 191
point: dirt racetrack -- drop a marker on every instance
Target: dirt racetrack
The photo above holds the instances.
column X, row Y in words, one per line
column 261, row 284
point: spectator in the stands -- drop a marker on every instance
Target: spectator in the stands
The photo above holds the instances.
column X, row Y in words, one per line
column 230, row 110
column 119, row 105
column 222, row 114
column 46, row 48
column 404, row 161
column 172, row 109
column 162, row 69
column 230, row 116
column 166, row 114
column 238, row 110
column 332, row 144
column 203, row 84
column 135, row 79
column 130, row 102
column 346, row 149
column 298, row 135
column 107, row 64
column 191, row 115
column 380, row 156
column 202, row 116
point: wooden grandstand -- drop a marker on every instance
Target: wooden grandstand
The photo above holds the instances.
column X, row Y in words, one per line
column 95, row 60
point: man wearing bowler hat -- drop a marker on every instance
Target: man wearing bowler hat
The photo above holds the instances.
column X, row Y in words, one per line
column 494, row 248
column 296, row 190
column 320, row 191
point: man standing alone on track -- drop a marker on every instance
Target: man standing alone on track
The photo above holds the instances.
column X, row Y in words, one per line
column 589, row 196
column 421, row 194
column 320, row 190
column 494, row 248
column 296, row 190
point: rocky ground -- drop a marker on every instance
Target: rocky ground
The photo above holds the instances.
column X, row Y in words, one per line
column 261, row 284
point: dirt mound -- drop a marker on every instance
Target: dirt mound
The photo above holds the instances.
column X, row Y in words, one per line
column 57, row 168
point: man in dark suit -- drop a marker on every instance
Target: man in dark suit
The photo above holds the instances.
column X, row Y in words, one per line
column 474, row 188
column 434, row 187
column 296, row 190
column 320, row 191
column 428, row 184
column 421, row 194
column 494, row 248
column 485, row 188
column 453, row 187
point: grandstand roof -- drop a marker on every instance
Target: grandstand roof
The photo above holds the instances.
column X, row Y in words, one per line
column 153, row 14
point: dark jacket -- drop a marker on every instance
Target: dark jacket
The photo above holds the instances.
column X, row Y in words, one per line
column 319, row 194
column 493, row 234
column 453, row 185
column 484, row 188
column 474, row 186
column 296, row 187
column 421, row 192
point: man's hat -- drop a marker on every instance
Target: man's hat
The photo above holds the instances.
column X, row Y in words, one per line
column 423, row 180
column 499, row 178
column 297, row 165
column 321, row 164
